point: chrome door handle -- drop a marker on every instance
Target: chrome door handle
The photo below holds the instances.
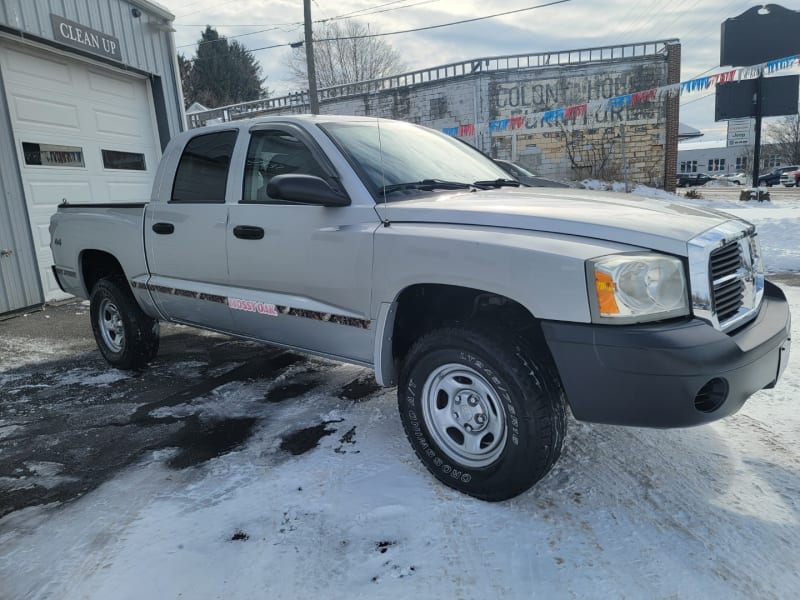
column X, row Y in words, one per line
column 5, row 252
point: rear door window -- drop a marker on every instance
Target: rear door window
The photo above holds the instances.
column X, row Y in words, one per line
column 202, row 174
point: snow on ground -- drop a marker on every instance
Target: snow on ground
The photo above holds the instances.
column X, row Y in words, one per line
column 707, row 512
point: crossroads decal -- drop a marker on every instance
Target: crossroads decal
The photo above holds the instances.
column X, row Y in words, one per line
column 250, row 306
column 262, row 308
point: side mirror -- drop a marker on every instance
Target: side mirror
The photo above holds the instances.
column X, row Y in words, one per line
column 305, row 189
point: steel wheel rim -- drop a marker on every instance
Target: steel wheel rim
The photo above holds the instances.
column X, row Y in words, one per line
column 109, row 321
column 464, row 415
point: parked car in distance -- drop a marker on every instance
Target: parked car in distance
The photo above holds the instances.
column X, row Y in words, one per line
column 691, row 179
column 737, row 178
column 525, row 177
column 791, row 178
column 774, row 176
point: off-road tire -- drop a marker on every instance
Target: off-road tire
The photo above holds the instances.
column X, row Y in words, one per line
column 524, row 386
column 126, row 336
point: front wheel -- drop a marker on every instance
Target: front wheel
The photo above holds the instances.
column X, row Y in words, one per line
column 482, row 413
column 126, row 336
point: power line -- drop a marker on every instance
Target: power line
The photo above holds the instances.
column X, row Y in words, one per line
column 374, row 35
column 226, row 38
column 298, row 24
column 369, row 11
column 502, row 14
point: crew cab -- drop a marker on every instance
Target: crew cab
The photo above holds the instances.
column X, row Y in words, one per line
column 494, row 308
column 790, row 178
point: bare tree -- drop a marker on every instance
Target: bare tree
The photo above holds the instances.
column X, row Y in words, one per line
column 592, row 152
column 785, row 135
column 342, row 55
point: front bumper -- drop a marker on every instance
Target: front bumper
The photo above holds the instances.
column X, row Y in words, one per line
column 650, row 375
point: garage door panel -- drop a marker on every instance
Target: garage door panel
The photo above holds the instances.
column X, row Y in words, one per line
column 117, row 124
column 42, row 240
column 111, row 86
column 25, row 68
column 51, row 193
column 28, row 109
column 124, row 191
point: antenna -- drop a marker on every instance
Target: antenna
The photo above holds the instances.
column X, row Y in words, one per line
column 386, row 221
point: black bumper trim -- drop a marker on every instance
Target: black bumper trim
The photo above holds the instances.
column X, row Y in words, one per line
column 649, row 375
column 60, row 271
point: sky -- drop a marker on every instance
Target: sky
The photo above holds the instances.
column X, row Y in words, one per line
column 571, row 25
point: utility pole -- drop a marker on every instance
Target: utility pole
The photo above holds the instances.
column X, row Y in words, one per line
column 757, row 141
column 312, row 73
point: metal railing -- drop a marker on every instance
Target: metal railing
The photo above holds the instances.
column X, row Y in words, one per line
column 299, row 101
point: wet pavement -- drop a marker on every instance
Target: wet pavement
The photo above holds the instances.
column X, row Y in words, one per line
column 69, row 422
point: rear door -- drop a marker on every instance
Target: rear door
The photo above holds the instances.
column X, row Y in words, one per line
column 300, row 274
column 186, row 236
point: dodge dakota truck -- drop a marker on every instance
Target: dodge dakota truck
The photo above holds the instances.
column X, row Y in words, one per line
column 493, row 307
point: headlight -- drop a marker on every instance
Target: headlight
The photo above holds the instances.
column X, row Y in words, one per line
column 630, row 288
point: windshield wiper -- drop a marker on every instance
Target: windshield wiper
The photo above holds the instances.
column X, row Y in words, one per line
column 426, row 185
column 496, row 183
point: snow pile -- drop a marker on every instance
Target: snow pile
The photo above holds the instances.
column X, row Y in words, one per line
column 603, row 186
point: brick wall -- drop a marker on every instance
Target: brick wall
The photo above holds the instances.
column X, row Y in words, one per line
column 673, row 116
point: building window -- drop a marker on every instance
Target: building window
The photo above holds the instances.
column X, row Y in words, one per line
column 438, row 108
column 203, row 170
column 771, row 161
column 688, row 166
column 741, row 163
column 130, row 161
column 716, row 164
column 49, row 155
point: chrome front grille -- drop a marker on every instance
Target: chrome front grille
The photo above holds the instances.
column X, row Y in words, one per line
column 726, row 275
column 725, row 268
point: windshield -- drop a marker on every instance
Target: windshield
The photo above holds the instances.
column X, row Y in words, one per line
column 391, row 155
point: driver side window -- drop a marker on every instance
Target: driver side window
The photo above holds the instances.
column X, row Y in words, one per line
column 274, row 152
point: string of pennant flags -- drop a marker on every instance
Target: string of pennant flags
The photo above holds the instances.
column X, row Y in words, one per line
column 570, row 114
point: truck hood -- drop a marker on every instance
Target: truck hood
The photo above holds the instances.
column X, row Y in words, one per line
column 659, row 225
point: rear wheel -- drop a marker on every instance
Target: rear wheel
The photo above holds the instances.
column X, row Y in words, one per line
column 482, row 413
column 126, row 336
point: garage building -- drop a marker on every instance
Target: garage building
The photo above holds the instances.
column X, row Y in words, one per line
column 89, row 97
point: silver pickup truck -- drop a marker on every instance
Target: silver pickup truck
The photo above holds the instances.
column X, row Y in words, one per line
column 493, row 307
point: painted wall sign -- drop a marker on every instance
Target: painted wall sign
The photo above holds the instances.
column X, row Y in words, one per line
column 82, row 37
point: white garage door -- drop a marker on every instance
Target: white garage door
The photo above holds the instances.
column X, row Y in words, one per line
column 82, row 133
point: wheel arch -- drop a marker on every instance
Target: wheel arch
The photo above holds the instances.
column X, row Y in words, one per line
column 96, row 265
column 423, row 307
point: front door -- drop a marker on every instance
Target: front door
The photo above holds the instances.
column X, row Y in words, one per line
column 186, row 236
column 300, row 274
